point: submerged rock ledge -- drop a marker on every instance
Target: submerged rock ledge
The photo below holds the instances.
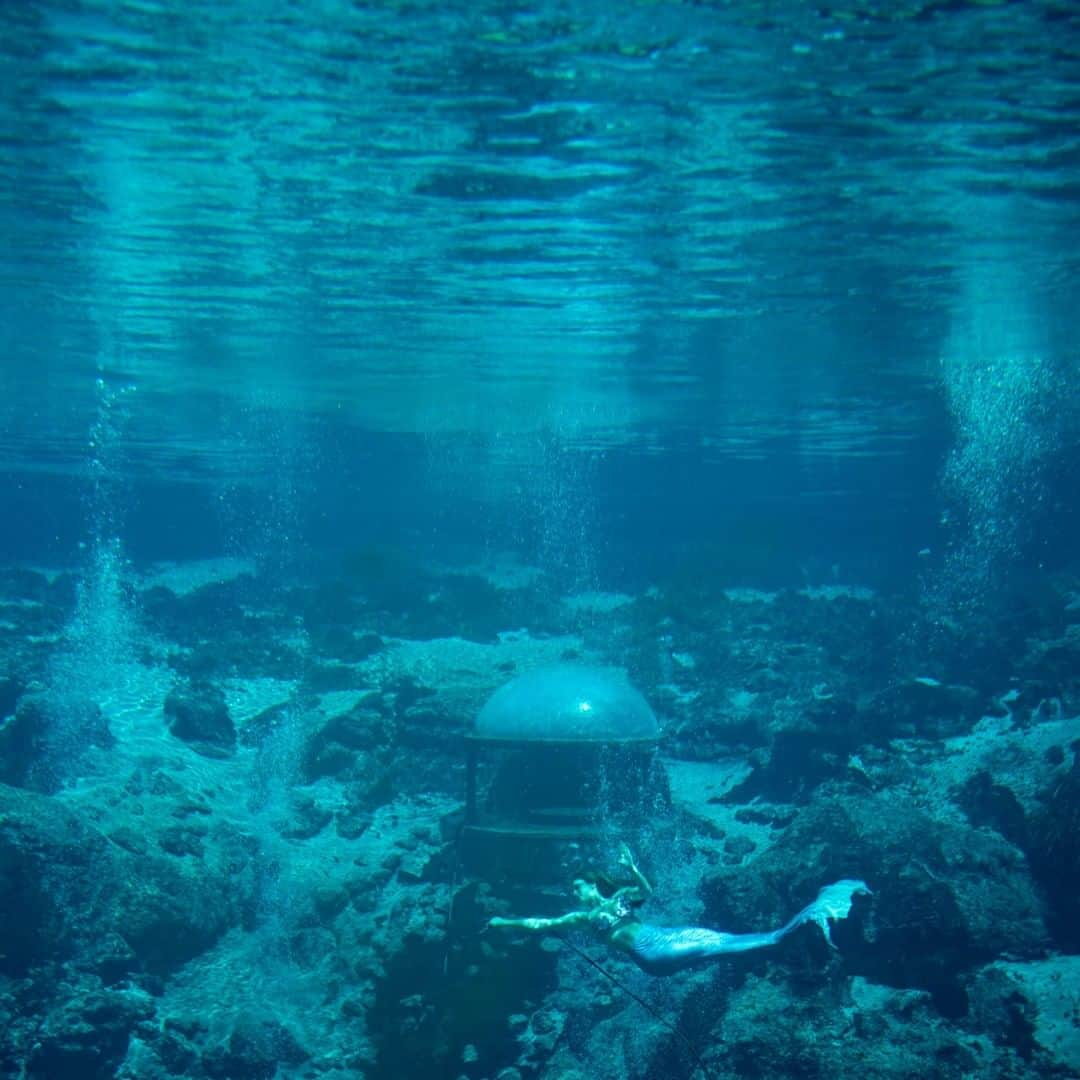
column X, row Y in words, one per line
column 253, row 871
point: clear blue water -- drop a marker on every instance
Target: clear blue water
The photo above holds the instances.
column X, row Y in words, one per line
column 639, row 312
column 626, row 276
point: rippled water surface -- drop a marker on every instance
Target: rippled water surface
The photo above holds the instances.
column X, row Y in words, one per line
column 631, row 223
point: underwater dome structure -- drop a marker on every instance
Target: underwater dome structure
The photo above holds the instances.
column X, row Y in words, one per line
column 557, row 754
column 568, row 703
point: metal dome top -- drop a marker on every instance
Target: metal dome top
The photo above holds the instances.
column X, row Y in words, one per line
column 568, row 703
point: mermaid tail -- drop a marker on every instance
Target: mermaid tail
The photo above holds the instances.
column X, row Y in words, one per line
column 662, row 950
column 832, row 902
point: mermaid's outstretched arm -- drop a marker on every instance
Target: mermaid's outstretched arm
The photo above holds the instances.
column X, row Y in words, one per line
column 661, row 950
column 536, row 923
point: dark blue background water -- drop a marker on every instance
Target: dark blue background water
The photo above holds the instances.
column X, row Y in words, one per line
column 612, row 288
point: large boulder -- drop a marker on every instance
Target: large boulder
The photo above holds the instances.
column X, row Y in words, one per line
column 198, row 714
column 66, row 892
column 948, row 897
column 45, row 739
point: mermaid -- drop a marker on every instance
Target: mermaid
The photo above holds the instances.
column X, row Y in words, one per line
column 609, row 910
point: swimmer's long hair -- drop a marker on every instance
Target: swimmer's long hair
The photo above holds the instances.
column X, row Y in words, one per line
column 607, row 886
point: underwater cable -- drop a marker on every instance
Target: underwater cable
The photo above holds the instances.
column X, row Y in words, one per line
column 672, row 1027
